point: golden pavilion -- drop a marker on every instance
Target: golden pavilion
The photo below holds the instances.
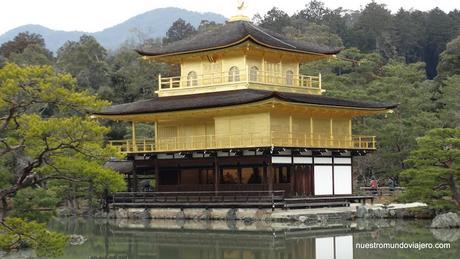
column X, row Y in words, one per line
column 241, row 118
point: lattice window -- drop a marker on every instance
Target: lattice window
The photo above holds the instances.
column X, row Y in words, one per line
column 192, row 79
column 234, row 74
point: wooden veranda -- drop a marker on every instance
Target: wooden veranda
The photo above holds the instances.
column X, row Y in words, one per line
column 228, row 199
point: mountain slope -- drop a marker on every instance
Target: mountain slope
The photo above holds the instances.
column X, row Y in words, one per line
column 151, row 24
column 53, row 38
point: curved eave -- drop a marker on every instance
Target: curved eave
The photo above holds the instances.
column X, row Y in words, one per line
column 248, row 37
column 270, row 101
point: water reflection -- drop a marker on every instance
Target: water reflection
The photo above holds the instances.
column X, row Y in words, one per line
column 239, row 240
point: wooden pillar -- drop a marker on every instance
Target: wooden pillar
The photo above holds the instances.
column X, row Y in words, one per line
column 130, row 188
column 133, row 136
column 265, row 176
column 263, row 68
column 223, row 76
column 270, row 177
column 291, row 180
column 331, row 133
column 290, row 130
column 135, row 180
column 216, row 176
column 350, row 138
column 159, row 81
column 246, row 67
column 157, row 175
column 281, row 74
column 155, row 132
column 311, row 131
column 319, row 79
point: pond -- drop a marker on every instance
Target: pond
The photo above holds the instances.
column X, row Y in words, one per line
column 255, row 240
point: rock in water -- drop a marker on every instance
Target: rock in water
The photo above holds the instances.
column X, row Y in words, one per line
column 446, row 220
column 361, row 211
column 446, row 235
column 303, row 219
column 76, row 240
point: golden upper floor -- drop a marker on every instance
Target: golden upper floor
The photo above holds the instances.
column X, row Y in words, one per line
column 239, row 55
column 253, row 128
column 242, row 67
column 243, row 119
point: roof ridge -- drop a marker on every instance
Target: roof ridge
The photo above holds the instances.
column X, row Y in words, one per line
column 271, row 36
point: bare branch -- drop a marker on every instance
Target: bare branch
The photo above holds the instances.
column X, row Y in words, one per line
column 7, row 148
column 440, row 186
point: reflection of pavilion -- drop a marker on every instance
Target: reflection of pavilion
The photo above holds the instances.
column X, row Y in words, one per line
column 226, row 244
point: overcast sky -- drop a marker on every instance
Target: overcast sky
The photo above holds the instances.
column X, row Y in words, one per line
column 95, row 15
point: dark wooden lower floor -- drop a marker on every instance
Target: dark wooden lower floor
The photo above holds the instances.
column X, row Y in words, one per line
column 296, row 176
column 227, row 199
column 221, row 174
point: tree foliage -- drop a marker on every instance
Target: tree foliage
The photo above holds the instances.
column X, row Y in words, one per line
column 16, row 233
column 35, row 204
column 449, row 63
column 415, row 35
column 275, row 20
column 179, row 30
column 131, row 78
column 86, row 60
column 23, row 45
column 434, row 170
column 449, row 101
column 313, row 33
column 45, row 133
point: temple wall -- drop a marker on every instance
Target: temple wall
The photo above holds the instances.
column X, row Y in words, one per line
column 191, row 64
column 249, row 127
column 272, row 64
column 299, row 124
column 253, row 127
column 185, row 133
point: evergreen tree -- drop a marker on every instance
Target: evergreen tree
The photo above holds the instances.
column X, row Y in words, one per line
column 449, row 102
column 275, row 20
column 27, row 49
column 179, row 30
column 449, row 63
column 45, row 133
column 434, row 175
column 86, row 60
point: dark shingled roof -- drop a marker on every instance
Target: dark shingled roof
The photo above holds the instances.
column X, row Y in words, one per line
column 229, row 98
column 234, row 33
column 121, row 166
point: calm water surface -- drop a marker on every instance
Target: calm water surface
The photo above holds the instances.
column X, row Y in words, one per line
column 239, row 240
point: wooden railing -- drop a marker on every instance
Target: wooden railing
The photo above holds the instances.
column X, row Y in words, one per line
column 198, row 199
column 138, row 146
column 248, row 140
column 382, row 191
column 226, row 80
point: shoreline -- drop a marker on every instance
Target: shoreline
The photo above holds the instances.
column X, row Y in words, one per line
column 354, row 211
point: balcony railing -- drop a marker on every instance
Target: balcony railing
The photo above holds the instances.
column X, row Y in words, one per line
column 277, row 139
column 240, row 80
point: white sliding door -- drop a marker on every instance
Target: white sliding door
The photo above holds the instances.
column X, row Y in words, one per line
column 342, row 179
column 323, row 180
